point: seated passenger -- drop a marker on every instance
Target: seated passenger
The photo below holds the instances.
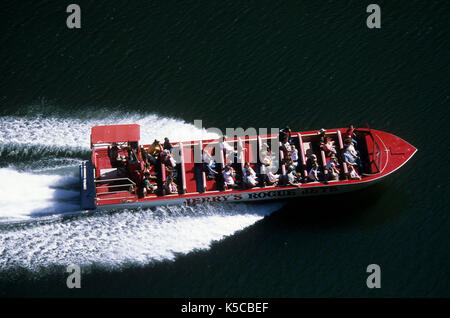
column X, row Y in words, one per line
column 209, row 165
column 331, row 167
column 350, row 135
column 116, row 159
column 170, row 186
column 322, row 132
column 148, row 186
column 353, row 174
column 155, row 149
column 248, row 168
column 350, row 158
column 134, row 146
column 294, row 155
column 287, row 158
column 329, row 147
column 267, row 161
column 132, row 156
column 167, row 145
column 351, row 147
column 289, row 163
column 286, row 147
column 285, row 134
column 228, row 177
column 266, row 158
column 147, row 168
column 147, row 157
column 271, row 178
column 167, row 159
column 250, row 180
column 294, row 178
column 313, row 173
column 311, row 158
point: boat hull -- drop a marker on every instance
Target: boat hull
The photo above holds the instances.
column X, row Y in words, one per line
column 386, row 153
column 263, row 194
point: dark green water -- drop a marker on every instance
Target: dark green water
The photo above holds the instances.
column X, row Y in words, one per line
column 309, row 64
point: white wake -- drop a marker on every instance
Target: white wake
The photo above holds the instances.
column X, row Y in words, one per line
column 47, row 186
column 25, row 194
column 73, row 132
column 126, row 237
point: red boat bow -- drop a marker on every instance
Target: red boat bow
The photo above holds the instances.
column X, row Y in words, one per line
column 396, row 151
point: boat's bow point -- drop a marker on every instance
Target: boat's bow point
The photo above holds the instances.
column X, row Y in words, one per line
column 397, row 150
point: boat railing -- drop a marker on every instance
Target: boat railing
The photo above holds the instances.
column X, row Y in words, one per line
column 124, row 183
column 107, row 144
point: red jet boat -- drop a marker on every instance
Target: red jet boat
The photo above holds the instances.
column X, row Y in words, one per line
column 105, row 184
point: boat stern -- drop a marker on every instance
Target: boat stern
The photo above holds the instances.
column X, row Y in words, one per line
column 87, row 186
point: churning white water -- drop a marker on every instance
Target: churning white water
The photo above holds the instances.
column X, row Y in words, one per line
column 26, row 194
column 72, row 132
column 35, row 200
column 125, row 237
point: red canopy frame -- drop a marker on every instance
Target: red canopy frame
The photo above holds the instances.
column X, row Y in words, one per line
column 115, row 133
